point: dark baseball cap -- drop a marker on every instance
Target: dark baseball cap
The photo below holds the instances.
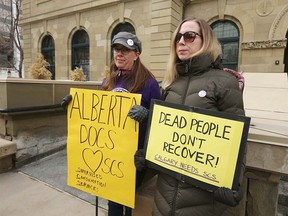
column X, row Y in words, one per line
column 128, row 40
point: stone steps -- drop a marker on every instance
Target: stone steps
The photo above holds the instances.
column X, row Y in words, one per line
column 7, row 152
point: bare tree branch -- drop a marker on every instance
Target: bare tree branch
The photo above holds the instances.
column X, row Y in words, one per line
column 11, row 37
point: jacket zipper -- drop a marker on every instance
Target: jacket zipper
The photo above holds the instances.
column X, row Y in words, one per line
column 173, row 207
column 187, row 84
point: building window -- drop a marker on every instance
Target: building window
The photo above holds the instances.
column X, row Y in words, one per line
column 48, row 52
column 80, row 51
column 228, row 36
column 122, row 27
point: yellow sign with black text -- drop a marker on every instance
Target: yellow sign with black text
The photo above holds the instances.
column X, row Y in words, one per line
column 101, row 144
column 197, row 144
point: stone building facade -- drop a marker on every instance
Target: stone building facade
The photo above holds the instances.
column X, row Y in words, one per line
column 262, row 26
column 257, row 43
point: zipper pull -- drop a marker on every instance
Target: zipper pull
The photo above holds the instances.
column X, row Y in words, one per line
column 186, row 68
column 119, row 73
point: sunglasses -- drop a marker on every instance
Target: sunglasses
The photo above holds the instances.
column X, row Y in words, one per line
column 123, row 50
column 188, row 36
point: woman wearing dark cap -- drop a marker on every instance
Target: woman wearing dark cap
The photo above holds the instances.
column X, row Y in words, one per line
column 128, row 74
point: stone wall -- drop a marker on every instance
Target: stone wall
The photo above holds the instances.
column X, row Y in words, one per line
column 262, row 30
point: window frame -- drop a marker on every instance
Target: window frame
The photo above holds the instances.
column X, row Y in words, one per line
column 76, row 51
column 226, row 40
column 49, row 51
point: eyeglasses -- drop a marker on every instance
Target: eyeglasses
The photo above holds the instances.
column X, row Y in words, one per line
column 188, row 36
column 123, row 50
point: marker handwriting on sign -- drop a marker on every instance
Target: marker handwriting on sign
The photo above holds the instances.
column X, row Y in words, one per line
column 184, row 152
column 99, row 154
column 177, row 121
column 108, row 116
column 185, row 139
column 202, row 127
column 185, row 167
column 100, row 137
column 97, row 161
column 104, row 109
column 210, row 128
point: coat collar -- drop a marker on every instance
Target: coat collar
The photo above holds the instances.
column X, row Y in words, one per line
column 197, row 65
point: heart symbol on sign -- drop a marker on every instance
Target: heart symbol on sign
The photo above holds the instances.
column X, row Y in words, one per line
column 92, row 159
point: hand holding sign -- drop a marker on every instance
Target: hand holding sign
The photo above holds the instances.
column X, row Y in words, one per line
column 228, row 196
column 138, row 113
column 139, row 159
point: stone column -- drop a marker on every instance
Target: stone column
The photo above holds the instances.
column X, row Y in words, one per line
column 166, row 15
column 262, row 194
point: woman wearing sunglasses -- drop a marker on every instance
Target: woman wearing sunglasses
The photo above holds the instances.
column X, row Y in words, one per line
column 195, row 77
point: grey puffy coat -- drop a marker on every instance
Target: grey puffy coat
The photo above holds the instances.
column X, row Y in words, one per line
column 174, row 197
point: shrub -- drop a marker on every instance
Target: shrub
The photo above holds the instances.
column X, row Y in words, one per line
column 39, row 69
column 77, row 74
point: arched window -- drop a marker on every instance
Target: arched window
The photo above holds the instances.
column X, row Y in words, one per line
column 48, row 51
column 228, row 35
column 80, row 51
column 122, row 27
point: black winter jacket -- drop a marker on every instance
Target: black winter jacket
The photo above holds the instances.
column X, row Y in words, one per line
column 200, row 83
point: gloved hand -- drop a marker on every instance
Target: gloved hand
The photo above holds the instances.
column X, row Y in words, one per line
column 139, row 159
column 228, row 196
column 138, row 113
column 65, row 101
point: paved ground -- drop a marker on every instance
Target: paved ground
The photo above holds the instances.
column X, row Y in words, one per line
column 40, row 188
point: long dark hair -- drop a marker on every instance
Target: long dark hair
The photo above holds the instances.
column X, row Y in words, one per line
column 135, row 81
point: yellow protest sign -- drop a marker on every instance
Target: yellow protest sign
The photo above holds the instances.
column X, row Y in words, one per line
column 101, row 144
column 198, row 146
